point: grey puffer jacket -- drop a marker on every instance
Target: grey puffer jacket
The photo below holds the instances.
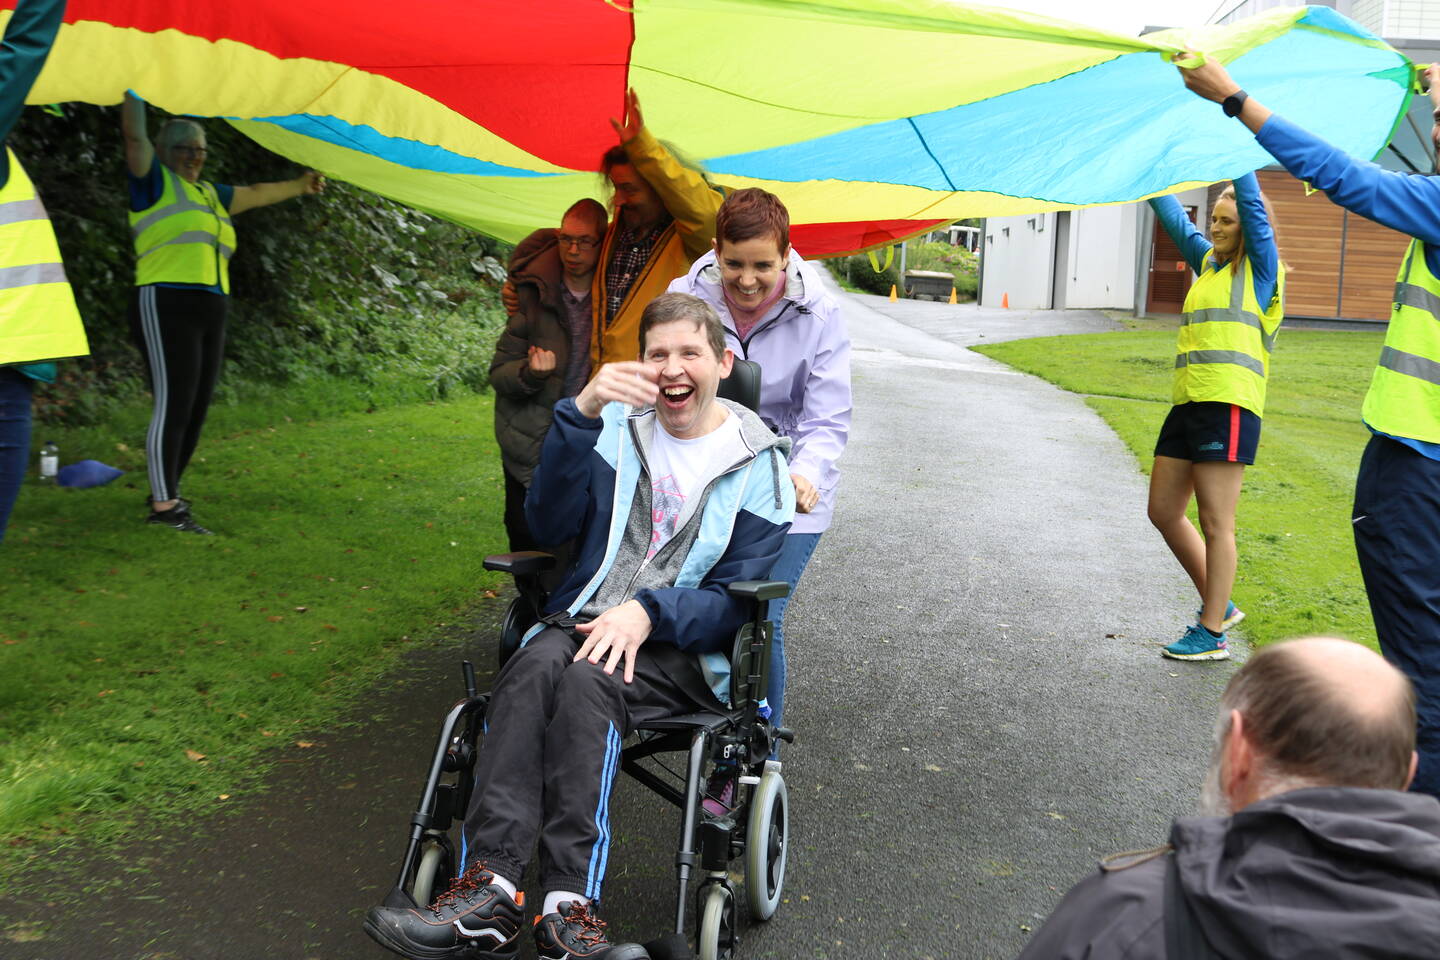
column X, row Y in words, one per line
column 524, row 403
column 1328, row 872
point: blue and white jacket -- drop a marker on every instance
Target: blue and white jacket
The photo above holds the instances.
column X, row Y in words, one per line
column 592, row 485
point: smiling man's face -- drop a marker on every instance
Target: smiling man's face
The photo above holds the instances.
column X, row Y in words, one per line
column 689, row 375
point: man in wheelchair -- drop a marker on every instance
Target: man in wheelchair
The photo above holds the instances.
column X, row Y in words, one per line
column 671, row 494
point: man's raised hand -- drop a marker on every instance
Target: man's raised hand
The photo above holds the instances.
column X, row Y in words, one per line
column 629, row 382
column 618, row 632
column 629, row 126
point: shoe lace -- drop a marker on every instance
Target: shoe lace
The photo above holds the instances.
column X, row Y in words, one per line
column 462, row 886
column 592, row 928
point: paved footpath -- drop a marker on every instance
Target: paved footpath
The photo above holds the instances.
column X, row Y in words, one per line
column 981, row 706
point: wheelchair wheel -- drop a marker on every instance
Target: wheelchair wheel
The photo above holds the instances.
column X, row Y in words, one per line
column 431, row 874
column 716, row 935
column 765, row 845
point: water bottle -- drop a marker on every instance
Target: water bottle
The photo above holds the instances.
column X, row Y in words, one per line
column 49, row 461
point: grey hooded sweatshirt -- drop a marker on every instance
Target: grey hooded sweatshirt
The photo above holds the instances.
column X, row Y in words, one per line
column 1328, row 872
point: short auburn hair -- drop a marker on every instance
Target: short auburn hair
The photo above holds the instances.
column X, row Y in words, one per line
column 751, row 213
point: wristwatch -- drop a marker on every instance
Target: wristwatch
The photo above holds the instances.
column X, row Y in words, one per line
column 1233, row 103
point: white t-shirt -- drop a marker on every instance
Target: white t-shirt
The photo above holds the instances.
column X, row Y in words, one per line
column 679, row 470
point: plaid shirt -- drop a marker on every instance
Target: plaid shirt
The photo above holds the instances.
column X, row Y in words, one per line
column 577, row 324
column 628, row 257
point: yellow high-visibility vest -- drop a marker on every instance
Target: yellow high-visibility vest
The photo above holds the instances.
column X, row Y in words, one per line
column 38, row 317
column 1223, row 351
column 185, row 237
column 1404, row 395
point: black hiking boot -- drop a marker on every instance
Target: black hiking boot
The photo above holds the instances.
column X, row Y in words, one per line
column 576, row 934
column 473, row 920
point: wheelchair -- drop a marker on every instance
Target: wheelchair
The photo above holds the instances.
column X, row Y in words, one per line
column 736, row 742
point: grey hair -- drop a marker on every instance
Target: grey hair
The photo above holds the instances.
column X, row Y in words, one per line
column 174, row 132
column 1309, row 734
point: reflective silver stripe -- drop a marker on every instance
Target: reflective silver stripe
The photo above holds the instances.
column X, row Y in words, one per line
column 1195, row 357
column 227, row 251
column 30, row 275
column 1410, row 365
column 182, row 204
column 1410, row 295
column 1228, row 315
column 19, row 211
column 189, row 236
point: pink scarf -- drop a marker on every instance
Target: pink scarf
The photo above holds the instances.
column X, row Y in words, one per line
column 746, row 319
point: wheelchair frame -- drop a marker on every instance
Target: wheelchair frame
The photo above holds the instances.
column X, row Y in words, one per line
column 740, row 739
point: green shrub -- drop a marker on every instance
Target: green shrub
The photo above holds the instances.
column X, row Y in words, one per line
column 859, row 272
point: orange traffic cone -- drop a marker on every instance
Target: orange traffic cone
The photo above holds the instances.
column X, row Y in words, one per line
column 1005, row 300
column 953, row 299
column 893, row 298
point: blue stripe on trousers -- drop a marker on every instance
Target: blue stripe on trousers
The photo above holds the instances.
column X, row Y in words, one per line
column 600, row 853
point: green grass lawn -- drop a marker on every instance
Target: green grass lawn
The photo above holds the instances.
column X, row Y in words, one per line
column 1298, row 572
column 143, row 669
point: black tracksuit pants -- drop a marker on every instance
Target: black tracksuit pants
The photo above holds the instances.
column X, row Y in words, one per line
column 1397, row 538
column 181, row 334
column 553, row 732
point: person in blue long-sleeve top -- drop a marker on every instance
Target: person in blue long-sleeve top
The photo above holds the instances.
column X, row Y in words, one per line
column 38, row 319
column 1396, row 517
column 1222, row 361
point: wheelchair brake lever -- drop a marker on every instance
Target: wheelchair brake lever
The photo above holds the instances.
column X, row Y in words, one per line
column 468, row 669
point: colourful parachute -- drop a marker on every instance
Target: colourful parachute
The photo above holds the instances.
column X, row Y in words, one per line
column 872, row 119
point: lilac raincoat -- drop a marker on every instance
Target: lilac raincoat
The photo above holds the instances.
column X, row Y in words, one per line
column 804, row 355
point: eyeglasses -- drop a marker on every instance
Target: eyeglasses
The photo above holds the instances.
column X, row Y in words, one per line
column 191, row 151
column 581, row 243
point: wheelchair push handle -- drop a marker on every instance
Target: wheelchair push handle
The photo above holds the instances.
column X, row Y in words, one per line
column 467, row 669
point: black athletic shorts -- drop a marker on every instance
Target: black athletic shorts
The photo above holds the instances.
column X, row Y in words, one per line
column 1209, row 431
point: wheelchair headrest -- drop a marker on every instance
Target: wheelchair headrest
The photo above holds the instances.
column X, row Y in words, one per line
column 743, row 384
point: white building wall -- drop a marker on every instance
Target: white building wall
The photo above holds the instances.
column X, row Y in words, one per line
column 1019, row 261
column 1101, row 264
column 1414, row 19
column 1370, row 14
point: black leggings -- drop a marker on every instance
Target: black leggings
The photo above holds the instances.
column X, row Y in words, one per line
column 181, row 334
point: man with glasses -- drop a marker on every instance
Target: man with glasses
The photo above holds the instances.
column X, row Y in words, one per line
column 664, row 219
column 544, row 353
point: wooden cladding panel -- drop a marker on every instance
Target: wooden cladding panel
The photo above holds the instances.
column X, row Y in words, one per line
column 1309, row 228
column 1372, row 259
column 1169, row 280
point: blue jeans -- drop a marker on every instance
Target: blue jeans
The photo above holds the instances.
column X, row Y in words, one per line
column 15, row 390
column 796, row 553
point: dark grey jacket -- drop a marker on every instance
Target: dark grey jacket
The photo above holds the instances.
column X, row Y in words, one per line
column 1330, row 872
column 524, row 403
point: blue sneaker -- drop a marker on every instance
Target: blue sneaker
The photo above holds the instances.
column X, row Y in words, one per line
column 1233, row 615
column 1198, row 644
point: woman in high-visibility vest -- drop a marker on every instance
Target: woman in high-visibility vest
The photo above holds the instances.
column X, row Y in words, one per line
column 1227, row 330
column 183, row 242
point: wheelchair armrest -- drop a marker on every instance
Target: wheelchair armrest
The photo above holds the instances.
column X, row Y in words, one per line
column 759, row 590
column 520, row 564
